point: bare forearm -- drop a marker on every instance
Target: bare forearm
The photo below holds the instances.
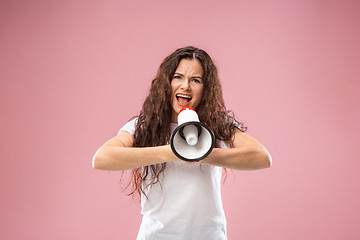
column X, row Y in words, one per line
column 244, row 158
column 114, row 158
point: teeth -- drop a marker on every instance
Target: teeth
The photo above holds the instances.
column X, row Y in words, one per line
column 183, row 96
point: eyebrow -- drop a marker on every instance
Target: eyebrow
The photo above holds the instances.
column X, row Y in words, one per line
column 191, row 77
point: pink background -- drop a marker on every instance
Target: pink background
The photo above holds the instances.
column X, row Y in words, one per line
column 73, row 72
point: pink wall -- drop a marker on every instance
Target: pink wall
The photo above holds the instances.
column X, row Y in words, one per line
column 73, row 72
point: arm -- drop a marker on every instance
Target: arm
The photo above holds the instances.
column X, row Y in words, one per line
column 118, row 153
column 247, row 154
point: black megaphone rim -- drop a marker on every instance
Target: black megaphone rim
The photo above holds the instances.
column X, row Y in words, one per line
column 197, row 124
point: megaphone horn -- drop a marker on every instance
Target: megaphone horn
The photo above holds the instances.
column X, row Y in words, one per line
column 192, row 140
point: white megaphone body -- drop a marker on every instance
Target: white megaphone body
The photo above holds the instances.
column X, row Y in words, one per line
column 192, row 140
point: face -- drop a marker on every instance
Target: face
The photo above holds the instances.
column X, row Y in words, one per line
column 187, row 86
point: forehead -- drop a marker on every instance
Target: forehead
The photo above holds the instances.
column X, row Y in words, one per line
column 189, row 67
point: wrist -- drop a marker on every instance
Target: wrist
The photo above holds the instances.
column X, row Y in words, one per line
column 169, row 155
column 212, row 157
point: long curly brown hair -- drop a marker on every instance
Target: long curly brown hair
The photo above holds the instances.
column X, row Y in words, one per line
column 153, row 124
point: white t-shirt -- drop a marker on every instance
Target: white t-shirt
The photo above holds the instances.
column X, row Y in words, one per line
column 186, row 204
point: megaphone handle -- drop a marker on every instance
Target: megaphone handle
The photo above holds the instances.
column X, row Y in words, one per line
column 181, row 131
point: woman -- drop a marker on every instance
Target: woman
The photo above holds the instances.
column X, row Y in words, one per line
column 181, row 200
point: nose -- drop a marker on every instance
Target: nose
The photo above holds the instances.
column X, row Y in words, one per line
column 185, row 84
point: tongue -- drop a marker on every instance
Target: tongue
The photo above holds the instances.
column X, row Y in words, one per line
column 183, row 101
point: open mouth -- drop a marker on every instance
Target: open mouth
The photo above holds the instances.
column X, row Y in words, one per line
column 183, row 99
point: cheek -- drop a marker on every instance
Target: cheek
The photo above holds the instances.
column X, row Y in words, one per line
column 173, row 89
column 174, row 86
column 200, row 94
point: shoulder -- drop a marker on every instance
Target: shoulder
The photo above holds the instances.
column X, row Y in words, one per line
column 242, row 139
column 129, row 126
column 124, row 137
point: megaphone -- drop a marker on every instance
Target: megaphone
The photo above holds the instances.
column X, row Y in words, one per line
column 191, row 140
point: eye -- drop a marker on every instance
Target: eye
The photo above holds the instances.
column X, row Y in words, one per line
column 196, row 80
column 177, row 77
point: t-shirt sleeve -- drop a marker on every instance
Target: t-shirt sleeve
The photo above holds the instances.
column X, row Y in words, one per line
column 129, row 126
